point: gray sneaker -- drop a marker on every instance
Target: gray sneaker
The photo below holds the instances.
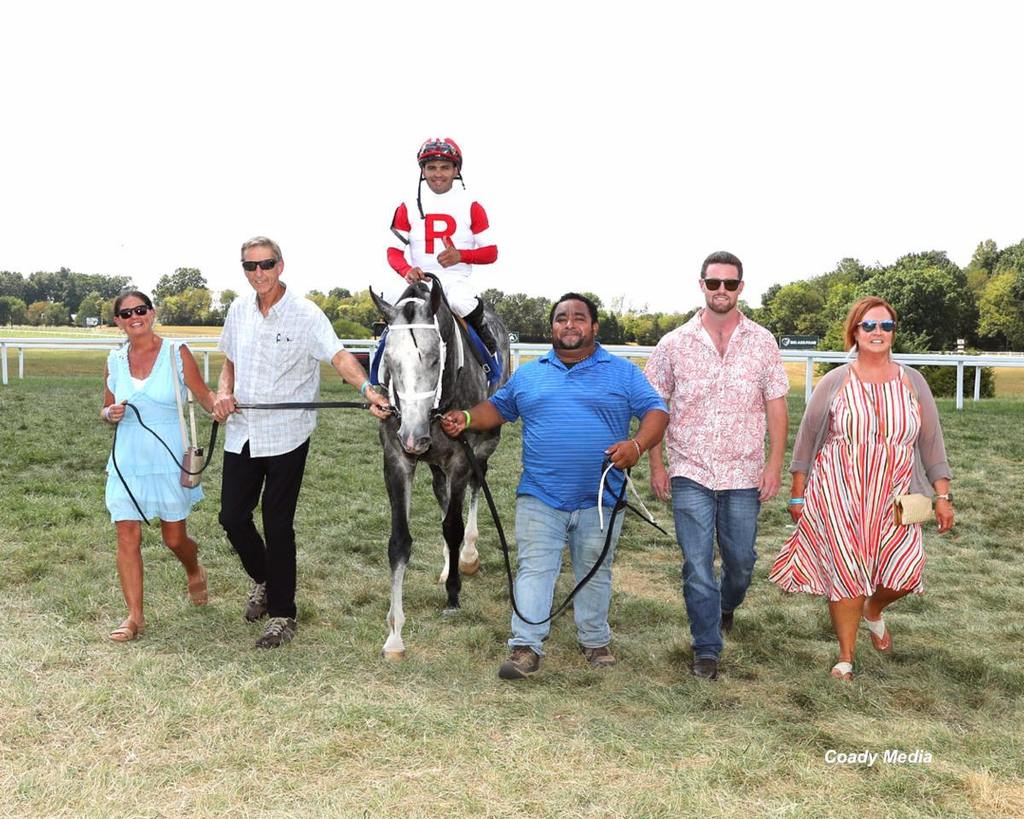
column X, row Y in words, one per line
column 256, row 605
column 279, row 630
column 521, row 663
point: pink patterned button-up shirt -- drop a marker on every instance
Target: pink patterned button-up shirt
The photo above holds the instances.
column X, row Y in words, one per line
column 718, row 415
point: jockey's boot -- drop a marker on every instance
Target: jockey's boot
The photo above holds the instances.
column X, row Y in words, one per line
column 476, row 320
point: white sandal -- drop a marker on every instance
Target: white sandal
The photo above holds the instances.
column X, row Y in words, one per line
column 842, row 671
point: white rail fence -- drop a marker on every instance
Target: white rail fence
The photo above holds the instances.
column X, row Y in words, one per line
column 204, row 345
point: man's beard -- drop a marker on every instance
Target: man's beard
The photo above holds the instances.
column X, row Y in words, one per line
column 717, row 307
column 558, row 344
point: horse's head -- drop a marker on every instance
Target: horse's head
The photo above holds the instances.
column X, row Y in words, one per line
column 413, row 360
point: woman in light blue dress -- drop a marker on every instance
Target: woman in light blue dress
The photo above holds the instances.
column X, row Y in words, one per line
column 145, row 372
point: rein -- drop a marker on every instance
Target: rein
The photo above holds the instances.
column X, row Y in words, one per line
column 620, row 504
column 288, row 405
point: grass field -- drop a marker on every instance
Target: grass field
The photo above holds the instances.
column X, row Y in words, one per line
column 191, row 720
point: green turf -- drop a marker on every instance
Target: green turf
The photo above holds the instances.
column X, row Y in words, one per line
column 191, row 720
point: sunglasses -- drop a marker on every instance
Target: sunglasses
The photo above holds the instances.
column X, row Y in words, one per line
column 887, row 325
column 732, row 285
column 141, row 310
column 266, row 264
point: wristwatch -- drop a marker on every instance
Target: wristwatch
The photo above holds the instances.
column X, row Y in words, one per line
column 947, row 496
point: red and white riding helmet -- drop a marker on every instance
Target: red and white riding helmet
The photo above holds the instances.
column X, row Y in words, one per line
column 443, row 149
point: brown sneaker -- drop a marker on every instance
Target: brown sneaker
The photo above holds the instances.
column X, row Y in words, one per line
column 521, row 663
column 600, row 657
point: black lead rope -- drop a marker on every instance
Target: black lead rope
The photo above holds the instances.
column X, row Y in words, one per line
column 619, row 505
column 124, row 483
column 294, row 405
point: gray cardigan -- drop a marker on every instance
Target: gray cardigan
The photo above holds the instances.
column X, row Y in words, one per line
column 929, row 450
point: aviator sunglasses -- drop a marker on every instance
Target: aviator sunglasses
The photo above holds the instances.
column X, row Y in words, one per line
column 266, row 264
column 732, row 285
column 869, row 325
column 141, row 310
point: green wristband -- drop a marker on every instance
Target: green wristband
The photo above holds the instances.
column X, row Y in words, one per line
column 469, row 418
column 796, row 501
column 362, row 389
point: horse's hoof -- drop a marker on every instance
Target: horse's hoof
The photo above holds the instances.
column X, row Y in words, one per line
column 393, row 656
column 470, row 568
column 451, row 611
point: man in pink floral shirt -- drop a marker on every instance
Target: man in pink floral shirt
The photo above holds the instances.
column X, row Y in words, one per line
column 722, row 375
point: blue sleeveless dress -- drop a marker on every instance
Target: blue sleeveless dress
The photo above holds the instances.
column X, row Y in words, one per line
column 145, row 465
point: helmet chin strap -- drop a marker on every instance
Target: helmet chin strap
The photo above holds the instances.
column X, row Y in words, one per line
column 419, row 192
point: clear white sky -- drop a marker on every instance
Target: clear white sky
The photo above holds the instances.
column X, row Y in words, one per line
column 614, row 145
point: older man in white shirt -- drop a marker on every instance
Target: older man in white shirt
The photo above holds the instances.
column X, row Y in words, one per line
column 273, row 342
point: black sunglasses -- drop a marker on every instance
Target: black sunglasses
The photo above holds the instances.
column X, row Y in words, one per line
column 869, row 325
column 732, row 285
column 141, row 310
column 266, row 264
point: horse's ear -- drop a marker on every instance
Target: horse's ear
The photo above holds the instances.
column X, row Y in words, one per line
column 387, row 310
column 435, row 296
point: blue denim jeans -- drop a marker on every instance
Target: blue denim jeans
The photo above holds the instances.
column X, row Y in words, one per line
column 542, row 532
column 701, row 514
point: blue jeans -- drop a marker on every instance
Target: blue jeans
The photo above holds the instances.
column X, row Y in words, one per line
column 701, row 513
column 542, row 532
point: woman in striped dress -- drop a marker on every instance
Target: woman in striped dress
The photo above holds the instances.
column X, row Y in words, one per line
column 870, row 432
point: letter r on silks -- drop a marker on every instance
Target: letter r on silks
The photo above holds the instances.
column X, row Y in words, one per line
column 433, row 222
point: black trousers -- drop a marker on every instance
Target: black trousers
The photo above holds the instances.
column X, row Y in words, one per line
column 279, row 477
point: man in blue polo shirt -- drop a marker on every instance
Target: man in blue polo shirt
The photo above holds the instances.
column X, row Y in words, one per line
column 576, row 402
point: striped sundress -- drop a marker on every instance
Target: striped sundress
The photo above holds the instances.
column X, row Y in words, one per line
column 847, row 543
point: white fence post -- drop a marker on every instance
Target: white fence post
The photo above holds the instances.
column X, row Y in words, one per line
column 206, row 366
column 3, row 366
column 21, row 363
column 808, row 378
column 960, row 384
column 977, row 383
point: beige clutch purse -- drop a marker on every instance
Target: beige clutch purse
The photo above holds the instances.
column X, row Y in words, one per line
column 914, row 508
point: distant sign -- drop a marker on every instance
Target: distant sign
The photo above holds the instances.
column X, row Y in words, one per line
column 92, row 321
column 513, row 338
column 798, row 342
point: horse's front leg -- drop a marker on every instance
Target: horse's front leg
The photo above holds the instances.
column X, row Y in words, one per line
column 469, row 557
column 454, row 529
column 398, row 475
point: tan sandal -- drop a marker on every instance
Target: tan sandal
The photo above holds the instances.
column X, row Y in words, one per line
column 127, row 631
column 842, row 670
column 197, row 590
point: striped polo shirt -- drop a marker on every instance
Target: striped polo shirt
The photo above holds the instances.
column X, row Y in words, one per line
column 570, row 417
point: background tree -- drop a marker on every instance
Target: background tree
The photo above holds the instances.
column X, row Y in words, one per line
column 13, row 310
column 13, row 284
column 176, row 283
column 49, row 314
column 190, row 307
column 91, row 306
column 227, row 297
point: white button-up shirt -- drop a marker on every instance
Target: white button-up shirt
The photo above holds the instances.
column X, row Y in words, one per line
column 277, row 358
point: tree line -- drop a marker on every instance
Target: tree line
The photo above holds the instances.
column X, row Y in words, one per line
column 937, row 301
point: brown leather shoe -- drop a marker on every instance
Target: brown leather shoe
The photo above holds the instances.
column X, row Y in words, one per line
column 706, row 668
column 600, row 657
column 523, row 662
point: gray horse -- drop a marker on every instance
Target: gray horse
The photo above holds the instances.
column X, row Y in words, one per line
column 428, row 369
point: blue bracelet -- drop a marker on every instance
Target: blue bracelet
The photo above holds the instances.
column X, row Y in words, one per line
column 362, row 389
column 796, row 501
